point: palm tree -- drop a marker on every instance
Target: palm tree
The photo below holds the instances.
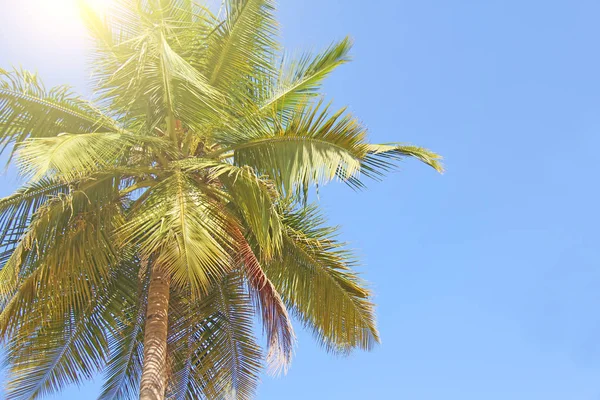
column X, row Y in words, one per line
column 156, row 223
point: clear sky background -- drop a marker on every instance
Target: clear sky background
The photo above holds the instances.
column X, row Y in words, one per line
column 487, row 278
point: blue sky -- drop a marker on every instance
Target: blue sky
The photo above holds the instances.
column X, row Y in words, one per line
column 486, row 277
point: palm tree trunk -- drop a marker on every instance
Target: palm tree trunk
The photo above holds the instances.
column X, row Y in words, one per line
column 154, row 373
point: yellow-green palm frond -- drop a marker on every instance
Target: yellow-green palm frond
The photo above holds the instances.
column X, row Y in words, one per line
column 216, row 355
column 382, row 158
column 67, row 245
column 123, row 368
column 181, row 222
column 159, row 83
column 65, row 350
column 316, row 279
column 17, row 209
column 190, row 323
column 254, row 198
column 58, row 310
column 300, row 79
column 29, row 110
column 76, row 156
column 136, row 51
column 187, row 93
column 276, row 322
column 241, row 46
column 69, row 346
column 311, row 147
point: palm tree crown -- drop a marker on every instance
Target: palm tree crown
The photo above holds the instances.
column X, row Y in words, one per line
column 156, row 223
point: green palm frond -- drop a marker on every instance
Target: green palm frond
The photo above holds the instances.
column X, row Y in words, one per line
column 382, row 158
column 66, row 245
column 242, row 45
column 123, row 368
column 29, row 110
column 311, row 147
column 253, row 196
column 72, row 156
column 322, row 288
column 68, row 346
column 17, row 209
column 190, row 322
column 301, row 78
column 59, row 345
column 223, row 359
column 159, row 81
column 186, row 90
column 181, row 222
column 399, row 150
column 60, row 353
column 276, row 321
column 31, row 293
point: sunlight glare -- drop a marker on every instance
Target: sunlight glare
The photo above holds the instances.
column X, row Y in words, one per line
column 99, row 5
column 61, row 18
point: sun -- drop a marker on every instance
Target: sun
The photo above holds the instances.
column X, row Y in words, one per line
column 62, row 18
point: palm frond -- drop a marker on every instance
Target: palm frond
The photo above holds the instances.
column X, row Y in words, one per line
column 61, row 352
column 187, row 93
column 301, row 78
column 316, row 280
column 67, row 245
column 382, row 158
column 276, row 322
column 311, row 147
column 29, row 110
column 123, row 369
column 160, row 82
column 242, row 45
column 399, row 150
column 222, row 359
column 67, row 346
column 72, row 156
column 188, row 229
column 253, row 196
column 190, row 323
column 17, row 209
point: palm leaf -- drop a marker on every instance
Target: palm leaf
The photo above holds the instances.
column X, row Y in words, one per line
column 178, row 220
column 301, row 78
column 382, row 158
column 242, row 45
column 316, row 280
column 252, row 196
column 67, row 245
column 223, row 359
column 311, row 147
column 29, row 110
column 122, row 372
column 17, row 209
column 73, row 156
column 274, row 315
column 65, row 351
column 187, row 93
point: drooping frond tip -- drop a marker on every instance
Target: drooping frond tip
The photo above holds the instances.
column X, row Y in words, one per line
column 398, row 150
column 381, row 158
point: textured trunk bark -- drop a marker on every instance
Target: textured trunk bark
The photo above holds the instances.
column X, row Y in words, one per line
column 154, row 373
